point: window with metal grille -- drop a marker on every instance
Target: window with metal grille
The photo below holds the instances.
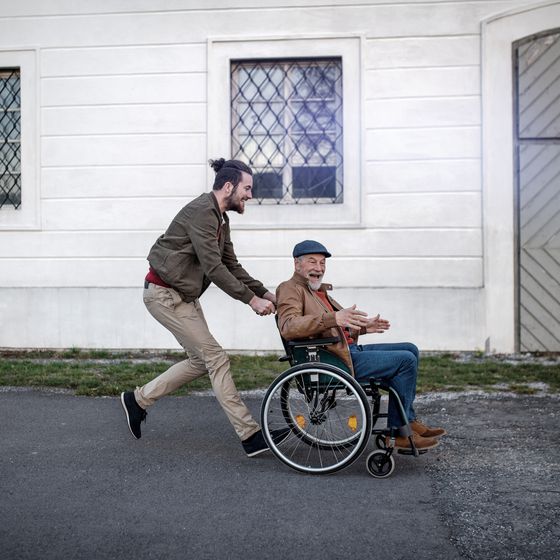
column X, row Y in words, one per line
column 10, row 138
column 286, row 123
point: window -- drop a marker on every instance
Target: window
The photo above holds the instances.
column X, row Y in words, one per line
column 291, row 107
column 10, row 138
column 286, row 122
column 19, row 158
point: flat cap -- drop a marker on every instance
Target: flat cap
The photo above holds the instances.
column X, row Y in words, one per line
column 309, row 247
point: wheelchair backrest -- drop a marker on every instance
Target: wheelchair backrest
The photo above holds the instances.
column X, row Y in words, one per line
column 307, row 350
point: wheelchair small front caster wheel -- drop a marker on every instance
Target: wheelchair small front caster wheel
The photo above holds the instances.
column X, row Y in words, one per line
column 380, row 442
column 379, row 464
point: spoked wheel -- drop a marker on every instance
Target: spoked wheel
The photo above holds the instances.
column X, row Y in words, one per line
column 379, row 464
column 327, row 412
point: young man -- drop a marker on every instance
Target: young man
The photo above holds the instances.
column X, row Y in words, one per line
column 196, row 250
column 306, row 310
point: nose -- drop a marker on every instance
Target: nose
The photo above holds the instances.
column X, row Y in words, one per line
column 249, row 195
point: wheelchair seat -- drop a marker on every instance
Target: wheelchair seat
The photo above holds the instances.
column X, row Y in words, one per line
column 311, row 350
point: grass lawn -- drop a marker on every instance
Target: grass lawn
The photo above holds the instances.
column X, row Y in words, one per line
column 97, row 373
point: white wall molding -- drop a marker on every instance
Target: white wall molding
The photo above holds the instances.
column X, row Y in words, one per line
column 27, row 216
column 350, row 48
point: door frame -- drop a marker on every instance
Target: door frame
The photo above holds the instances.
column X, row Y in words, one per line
column 499, row 187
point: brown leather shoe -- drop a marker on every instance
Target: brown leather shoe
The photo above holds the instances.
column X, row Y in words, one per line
column 421, row 443
column 426, row 431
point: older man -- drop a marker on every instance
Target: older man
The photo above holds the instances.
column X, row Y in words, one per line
column 306, row 310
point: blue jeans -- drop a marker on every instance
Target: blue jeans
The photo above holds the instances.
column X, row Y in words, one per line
column 395, row 365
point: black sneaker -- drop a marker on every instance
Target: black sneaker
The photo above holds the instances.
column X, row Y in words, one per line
column 134, row 413
column 256, row 444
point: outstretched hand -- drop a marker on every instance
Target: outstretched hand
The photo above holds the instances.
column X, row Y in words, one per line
column 377, row 325
column 351, row 318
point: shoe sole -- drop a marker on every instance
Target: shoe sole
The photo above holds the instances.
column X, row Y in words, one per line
column 255, row 453
column 438, row 436
column 127, row 417
column 420, row 449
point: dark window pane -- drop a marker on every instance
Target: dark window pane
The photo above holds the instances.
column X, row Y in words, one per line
column 267, row 185
column 314, row 182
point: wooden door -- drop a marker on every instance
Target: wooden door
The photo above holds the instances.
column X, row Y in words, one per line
column 537, row 89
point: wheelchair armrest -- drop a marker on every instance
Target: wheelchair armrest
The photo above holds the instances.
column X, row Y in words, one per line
column 313, row 342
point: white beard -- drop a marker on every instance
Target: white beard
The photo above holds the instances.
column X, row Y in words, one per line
column 314, row 285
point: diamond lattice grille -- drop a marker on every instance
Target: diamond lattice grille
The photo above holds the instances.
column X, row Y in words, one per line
column 10, row 139
column 287, row 124
column 537, row 67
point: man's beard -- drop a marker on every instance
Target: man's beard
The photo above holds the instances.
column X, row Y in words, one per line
column 314, row 285
column 236, row 205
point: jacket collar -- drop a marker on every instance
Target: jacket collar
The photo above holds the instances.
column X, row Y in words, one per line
column 212, row 197
column 299, row 279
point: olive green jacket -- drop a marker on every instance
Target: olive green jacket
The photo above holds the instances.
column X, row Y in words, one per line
column 196, row 250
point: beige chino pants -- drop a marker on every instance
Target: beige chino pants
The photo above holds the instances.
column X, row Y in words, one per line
column 205, row 356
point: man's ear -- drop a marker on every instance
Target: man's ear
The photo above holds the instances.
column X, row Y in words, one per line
column 228, row 187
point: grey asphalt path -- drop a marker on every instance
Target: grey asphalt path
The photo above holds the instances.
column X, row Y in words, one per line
column 75, row 484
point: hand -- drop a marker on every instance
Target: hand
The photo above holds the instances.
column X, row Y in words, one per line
column 270, row 297
column 262, row 306
column 351, row 318
column 377, row 325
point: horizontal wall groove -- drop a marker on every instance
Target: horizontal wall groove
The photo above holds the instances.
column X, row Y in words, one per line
column 426, row 127
column 128, row 104
column 123, row 46
column 124, row 75
column 423, row 193
column 426, row 97
column 122, row 134
column 418, row 67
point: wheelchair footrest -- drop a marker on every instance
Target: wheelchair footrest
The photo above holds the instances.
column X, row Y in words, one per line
column 410, row 452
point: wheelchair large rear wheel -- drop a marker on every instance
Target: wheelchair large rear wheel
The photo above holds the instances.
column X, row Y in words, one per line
column 328, row 415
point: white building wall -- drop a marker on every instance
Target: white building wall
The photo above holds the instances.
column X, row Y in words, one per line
column 122, row 145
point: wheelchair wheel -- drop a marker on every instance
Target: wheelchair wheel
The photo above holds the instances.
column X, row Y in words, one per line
column 380, row 441
column 379, row 464
column 327, row 413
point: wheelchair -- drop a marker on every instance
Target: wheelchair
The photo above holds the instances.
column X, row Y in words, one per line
column 328, row 415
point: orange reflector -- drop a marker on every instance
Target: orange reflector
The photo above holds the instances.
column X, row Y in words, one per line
column 300, row 421
column 353, row 423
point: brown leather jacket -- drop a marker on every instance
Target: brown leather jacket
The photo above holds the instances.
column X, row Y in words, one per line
column 301, row 314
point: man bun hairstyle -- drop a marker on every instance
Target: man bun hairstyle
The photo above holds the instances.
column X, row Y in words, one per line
column 228, row 171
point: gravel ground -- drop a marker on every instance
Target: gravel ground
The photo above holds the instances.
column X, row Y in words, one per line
column 496, row 479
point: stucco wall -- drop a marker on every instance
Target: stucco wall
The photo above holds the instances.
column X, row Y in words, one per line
column 124, row 129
